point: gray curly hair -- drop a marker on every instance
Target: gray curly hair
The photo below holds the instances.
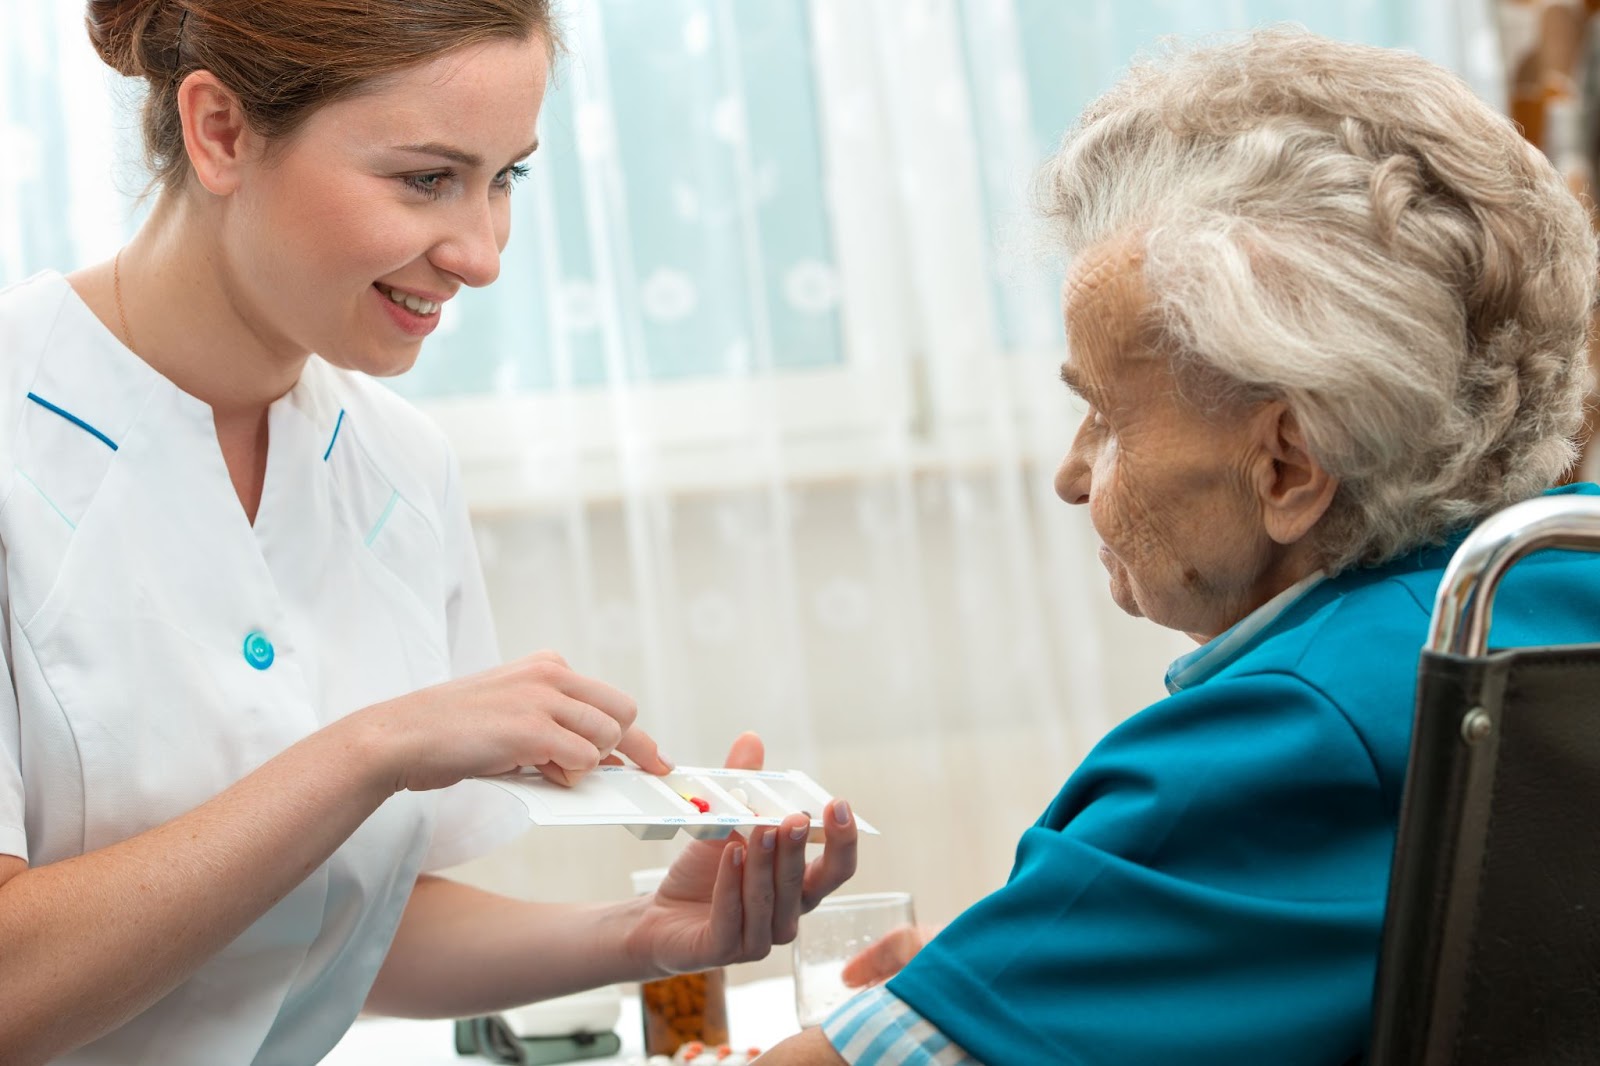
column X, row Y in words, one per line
column 1349, row 230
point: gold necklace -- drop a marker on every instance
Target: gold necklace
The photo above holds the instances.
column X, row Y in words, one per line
column 116, row 287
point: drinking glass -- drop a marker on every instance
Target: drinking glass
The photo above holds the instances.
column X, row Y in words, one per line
column 833, row 934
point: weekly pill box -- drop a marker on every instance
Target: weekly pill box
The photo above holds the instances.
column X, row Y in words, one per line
column 656, row 808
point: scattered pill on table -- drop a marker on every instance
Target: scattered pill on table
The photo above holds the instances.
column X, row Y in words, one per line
column 697, row 1054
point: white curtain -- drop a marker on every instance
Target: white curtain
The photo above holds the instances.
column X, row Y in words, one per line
column 760, row 420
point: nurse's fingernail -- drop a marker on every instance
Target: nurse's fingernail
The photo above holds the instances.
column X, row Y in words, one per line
column 768, row 839
column 798, row 832
column 841, row 812
column 738, row 855
column 671, row 763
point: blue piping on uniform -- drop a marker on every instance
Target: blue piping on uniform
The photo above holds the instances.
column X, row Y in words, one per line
column 394, row 497
column 74, row 419
column 46, row 498
column 336, row 426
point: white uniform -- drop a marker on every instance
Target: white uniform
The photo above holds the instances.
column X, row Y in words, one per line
column 159, row 648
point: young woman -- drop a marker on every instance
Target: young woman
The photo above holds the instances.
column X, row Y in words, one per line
column 249, row 653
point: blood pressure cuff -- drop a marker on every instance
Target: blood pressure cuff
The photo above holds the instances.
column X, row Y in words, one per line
column 491, row 1038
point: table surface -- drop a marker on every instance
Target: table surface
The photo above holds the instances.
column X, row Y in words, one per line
column 760, row 1014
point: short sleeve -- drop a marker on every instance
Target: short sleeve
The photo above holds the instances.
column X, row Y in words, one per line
column 474, row 817
column 13, row 803
column 1207, row 888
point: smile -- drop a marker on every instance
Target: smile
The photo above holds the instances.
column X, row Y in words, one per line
column 415, row 304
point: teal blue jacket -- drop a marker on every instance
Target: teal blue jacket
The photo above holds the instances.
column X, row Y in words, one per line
column 1209, row 885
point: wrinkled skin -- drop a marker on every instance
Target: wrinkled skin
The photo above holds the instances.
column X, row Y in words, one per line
column 1189, row 505
column 1202, row 517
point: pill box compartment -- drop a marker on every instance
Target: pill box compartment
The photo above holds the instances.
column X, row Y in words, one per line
column 656, row 808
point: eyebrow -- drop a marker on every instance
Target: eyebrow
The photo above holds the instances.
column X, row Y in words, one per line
column 1075, row 381
column 459, row 155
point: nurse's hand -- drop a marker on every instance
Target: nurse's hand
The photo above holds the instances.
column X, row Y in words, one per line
column 535, row 711
column 731, row 900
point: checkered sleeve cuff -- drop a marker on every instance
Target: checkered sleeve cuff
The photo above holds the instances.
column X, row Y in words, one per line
column 878, row 1028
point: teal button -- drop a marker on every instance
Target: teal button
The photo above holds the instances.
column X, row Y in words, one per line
column 258, row 650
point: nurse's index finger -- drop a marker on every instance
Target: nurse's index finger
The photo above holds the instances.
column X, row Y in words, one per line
column 639, row 746
column 837, row 863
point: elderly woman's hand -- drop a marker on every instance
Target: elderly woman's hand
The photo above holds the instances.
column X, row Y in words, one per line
column 886, row 956
column 731, row 900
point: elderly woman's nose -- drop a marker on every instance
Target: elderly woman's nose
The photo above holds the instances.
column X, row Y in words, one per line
column 1072, row 477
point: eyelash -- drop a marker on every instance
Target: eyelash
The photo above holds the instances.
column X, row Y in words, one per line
column 430, row 185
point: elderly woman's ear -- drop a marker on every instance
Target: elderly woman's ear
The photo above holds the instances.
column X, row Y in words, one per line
column 1292, row 488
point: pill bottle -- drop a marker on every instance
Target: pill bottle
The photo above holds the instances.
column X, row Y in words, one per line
column 685, row 1008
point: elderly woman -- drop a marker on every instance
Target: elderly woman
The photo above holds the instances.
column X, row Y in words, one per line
column 1326, row 310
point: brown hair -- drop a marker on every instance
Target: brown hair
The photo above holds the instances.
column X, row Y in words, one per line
column 286, row 58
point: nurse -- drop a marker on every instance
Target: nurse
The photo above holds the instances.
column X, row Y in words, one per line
column 249, row 654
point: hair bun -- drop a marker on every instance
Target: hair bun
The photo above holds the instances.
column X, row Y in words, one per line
column 137, row 38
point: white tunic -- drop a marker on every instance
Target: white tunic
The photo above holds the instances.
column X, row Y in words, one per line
column 159, row 648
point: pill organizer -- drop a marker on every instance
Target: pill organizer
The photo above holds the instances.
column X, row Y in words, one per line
column 657, row 808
